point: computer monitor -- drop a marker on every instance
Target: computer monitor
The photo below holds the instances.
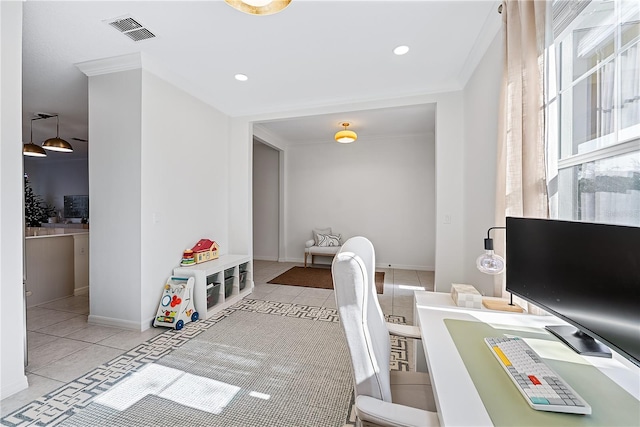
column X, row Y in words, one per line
column 587, row 274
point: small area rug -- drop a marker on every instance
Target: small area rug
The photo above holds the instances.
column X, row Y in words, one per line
column 316, row 277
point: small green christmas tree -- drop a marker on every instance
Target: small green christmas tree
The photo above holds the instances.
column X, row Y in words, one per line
column 34, row 212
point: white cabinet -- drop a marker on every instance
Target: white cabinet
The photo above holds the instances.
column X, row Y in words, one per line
column 219, row 283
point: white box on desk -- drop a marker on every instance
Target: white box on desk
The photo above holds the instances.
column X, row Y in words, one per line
column 466, row 296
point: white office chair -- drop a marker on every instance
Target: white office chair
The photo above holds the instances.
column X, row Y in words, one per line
column 382, row 397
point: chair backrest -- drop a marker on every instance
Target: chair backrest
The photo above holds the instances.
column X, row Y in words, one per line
column 353, row 271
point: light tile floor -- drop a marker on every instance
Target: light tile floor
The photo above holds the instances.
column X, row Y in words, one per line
column 62, row 346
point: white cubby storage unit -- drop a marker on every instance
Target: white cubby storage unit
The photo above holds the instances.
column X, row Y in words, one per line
column 219, row 283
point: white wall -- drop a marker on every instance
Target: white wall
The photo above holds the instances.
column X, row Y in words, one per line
column 481, row 99
column 12, row 328
column 184, row 182
column 54, row 179
column 115, row 196
column 449, row 191
column 266, row 196
column 374, row 187
column 159, row 182
column 239, row 198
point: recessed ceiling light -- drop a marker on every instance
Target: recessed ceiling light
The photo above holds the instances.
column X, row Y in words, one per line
column 241, row 77
column 401, row 50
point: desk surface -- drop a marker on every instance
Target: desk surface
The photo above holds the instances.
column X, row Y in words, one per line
column 458, row 402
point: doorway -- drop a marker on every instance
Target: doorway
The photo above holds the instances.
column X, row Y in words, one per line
column 266, row 202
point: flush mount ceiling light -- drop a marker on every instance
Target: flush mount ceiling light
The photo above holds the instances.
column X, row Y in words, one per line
column 346, row 136
column 31, row 149
column 401, row 50
column 258, row 7
column 241, row 77
column 57, row 143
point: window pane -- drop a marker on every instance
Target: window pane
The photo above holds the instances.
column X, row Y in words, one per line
column 596, row 115
column 592, row 112
column 606, row 191
column 593, row 37
column 630, row 18
column 592, row 46
column 630, row 87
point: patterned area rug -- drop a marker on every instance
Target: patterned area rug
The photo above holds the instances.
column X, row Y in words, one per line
column 264, row 363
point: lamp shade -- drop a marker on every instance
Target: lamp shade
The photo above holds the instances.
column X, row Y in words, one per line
column 490, row 263
column 258, row 7
column 345, row 136
column 57, row 144
column 33, row 150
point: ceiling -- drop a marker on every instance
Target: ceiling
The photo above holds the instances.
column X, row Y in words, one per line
column 368, row 124
column 312, row 54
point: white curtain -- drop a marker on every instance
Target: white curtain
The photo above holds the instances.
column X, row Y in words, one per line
column 630, row 87
column 607, row 101
column 521, row 188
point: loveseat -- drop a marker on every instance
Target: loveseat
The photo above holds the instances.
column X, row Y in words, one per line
column 324, row 243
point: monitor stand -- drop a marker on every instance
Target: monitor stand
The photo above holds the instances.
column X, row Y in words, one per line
column 579, row 342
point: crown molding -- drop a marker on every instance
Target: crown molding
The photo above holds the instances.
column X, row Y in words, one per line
column 267, row 137
column 132, row 61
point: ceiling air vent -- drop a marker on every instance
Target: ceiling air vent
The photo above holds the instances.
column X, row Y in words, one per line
column 140, row 34
column 131, row 28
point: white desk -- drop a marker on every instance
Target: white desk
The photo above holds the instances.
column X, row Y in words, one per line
column 457, row 399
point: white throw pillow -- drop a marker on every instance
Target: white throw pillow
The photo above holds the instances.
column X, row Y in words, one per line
column 329, row 239
column 317, row 231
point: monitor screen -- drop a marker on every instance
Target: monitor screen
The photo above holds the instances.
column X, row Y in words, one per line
column 587, row 274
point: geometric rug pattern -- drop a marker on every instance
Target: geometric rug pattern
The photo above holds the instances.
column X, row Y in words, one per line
column 62, row 404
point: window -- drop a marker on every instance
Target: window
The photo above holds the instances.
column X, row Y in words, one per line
column 593, row 112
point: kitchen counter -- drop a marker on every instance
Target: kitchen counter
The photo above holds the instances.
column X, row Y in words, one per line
column 57, row 263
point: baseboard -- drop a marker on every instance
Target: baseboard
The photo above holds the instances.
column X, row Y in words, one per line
column 148, row 324
column 13, row 387
column 405, row 267
column 265, row 258
column 118, row 323
column 81, row 291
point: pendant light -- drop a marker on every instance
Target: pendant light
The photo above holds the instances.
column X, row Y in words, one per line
column 258, row 7
column 346, row 136
column 57, row 143
column 31, row 149
column 490, row 262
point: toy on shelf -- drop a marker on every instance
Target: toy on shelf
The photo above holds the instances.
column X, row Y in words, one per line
column 176, row 305
column 188, row 258
column 204, row 250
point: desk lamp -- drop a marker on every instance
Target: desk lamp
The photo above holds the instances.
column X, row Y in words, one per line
column 490, row 263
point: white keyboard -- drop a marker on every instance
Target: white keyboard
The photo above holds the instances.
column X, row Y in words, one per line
column 541, row 387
